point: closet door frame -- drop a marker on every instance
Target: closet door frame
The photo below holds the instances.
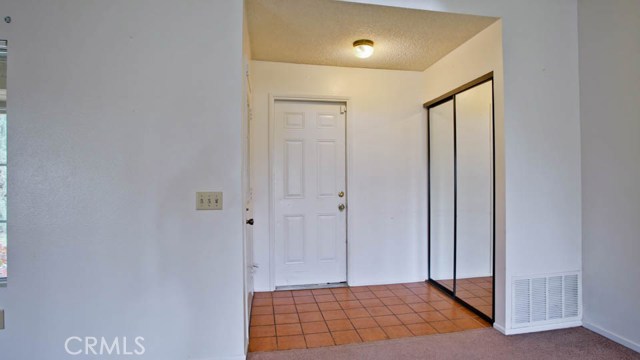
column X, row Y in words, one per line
column 451, row 95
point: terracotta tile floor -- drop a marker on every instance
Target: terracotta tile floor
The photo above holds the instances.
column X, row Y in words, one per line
column 301, row 319
column 476, row 292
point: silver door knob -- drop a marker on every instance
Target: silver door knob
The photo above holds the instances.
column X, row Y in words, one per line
column 341, row 207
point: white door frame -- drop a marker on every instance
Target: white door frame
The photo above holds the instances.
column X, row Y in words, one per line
column 272, row 204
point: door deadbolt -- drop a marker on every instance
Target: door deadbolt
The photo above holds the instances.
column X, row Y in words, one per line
column 341, row 207
column 341, row 194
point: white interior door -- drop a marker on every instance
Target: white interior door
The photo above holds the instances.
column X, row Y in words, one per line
column 309, row 185
column 247, row 195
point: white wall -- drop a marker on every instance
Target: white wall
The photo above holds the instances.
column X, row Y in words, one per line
column 119, row 111
column 610, row 119
column 541, row 133
column 386, row 134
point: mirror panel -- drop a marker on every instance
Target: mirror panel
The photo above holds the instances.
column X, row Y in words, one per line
column 474, row 213
column 441, row 167
column 461, row 154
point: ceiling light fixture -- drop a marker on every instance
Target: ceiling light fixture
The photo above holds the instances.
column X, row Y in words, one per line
column 363, row 48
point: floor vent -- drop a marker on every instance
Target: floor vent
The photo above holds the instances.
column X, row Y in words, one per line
column 543, row 300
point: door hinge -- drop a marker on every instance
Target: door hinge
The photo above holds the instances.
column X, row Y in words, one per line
column 343, row 109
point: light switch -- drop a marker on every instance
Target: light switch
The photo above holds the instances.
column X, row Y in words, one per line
column 208, row 201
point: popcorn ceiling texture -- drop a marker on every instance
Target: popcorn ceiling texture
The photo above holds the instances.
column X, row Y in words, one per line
column 321, row 32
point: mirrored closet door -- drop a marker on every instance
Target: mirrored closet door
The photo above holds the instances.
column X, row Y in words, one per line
column 461, row 194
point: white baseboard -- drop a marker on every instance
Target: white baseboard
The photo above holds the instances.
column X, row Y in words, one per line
column 546, row 327
column 261, row 289
column 613, row 336
column 500, row 328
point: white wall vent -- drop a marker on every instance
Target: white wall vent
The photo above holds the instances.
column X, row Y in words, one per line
column 547, row 299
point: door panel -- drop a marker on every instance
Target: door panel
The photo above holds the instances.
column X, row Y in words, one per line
column 308, row 174
column 294, row 168
column 326, row 168
column 294, row 239
column 327, row 239
column 294, row 120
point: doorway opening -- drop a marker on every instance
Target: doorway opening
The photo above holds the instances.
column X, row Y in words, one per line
column 304, row 244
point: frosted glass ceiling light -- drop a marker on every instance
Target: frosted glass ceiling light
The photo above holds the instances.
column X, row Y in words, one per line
column 363, row 48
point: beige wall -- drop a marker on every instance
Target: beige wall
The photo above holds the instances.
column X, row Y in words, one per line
column 610, row 119
column 119, row 112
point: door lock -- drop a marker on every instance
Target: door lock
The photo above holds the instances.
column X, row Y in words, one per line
column 250, row 222
column 341, row 207
column 341, row 194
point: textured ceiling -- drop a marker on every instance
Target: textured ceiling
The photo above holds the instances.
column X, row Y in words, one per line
column 321, row 32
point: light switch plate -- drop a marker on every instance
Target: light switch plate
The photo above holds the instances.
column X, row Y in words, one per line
column 208, row 201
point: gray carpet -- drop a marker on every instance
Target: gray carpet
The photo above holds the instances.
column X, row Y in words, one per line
column 576, row 343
